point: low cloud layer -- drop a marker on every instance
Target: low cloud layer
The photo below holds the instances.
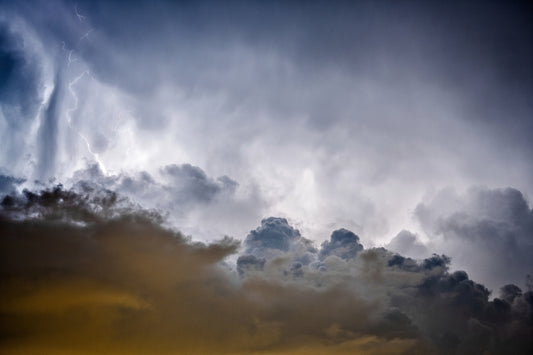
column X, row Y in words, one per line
column 87, row 271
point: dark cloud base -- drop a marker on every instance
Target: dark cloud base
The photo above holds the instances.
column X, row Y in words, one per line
column 85, row 271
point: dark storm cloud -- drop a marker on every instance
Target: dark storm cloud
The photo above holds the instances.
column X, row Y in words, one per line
column 8, row 184
column 249, row 263
column 458, row 316
column 102, row 270
column 276, row 238
column 403, row 263
column 326, row 33
column 441, row 261
column 343, row 243
column 20, row 78
column 488, row 230
column 481, row 50
column 510, row 292
column 319, row 102
column 274, row 233
column 20, row 92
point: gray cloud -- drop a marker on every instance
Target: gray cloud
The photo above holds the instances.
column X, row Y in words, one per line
column 274, row 233
column 181, row 186
column 351, row 95
column 249, row 263
column 20, row 78
column 276, row 238
column 488, row 231
column 333, row 114
column 407, row 243
column 343, row 244
column 48, row 131
column 8, row 184
column 193, row 183
column 184, row 193
column 20, row 93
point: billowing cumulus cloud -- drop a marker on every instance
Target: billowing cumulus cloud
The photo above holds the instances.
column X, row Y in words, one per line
column 90, row 272
column 344, row 244
column 276, row 240
column 274, row 234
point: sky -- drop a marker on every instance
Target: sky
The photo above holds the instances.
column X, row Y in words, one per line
column 338, row 169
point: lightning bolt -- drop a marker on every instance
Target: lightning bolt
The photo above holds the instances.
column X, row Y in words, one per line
column 80, row 16
column 69, row 57
column 73, row 109
column 70, row 111
column 86, row 35
column 70, row 52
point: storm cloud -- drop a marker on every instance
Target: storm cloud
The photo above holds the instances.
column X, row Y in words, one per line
column 339, row 115
column 96, row 270
column 488, row 231
column 345, row 177
column 344, row 244
column 19, row 77
column 185, row 194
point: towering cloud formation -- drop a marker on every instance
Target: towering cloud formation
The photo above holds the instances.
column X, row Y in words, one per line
column 275, row 234
column 85, row 271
